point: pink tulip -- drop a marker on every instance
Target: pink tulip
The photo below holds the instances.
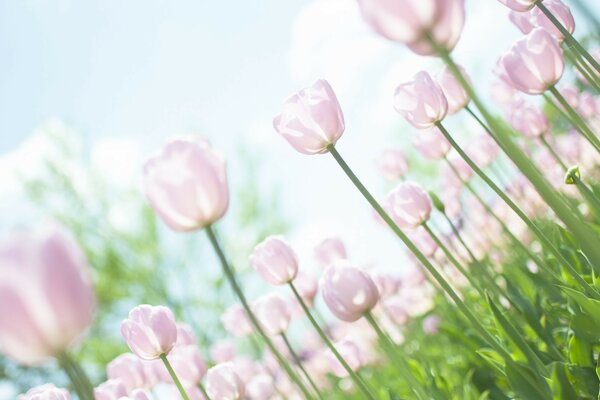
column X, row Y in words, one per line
column 424, row 242
column 186, row 184
column 222, row 382
column 521, row 20
column 534, row 63
column 46, row 295
column 519, row 5
column 560, row 11
column 408, row 205
column 350, row 352
column 528, row 120
column 45, row 392
column 571, row 95
column 261, row 387
column 311, row 119
column 348, row 292
column 273, row 314
column 223, row 351
column 138, row 394
column 129, row 370
column 392, row 164
column 329, row 251
column 387, row 284
column 446, row 31
column 188, row 363
column 150, row 331
column 307, row 287
column 454, row 92
column 587, row 105
column 185, row 335
column 275, row 261
column 113, row 389
column 483, row 150
column 395, row 308
column 431, row 143
column 236, row 321
column 431, row 325
column 464, row 171
column 421, row 101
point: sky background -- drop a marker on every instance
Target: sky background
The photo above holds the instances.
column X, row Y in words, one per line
column 127, row 75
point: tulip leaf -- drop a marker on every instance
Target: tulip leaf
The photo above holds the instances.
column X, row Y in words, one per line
column 561, row 386
column 526, row 383
column 581, row 352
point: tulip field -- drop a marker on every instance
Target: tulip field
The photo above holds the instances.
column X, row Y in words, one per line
column 497, row 295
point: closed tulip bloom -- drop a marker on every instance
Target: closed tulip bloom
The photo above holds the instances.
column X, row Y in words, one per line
column 307, row 287
column 521, row 20
column 446, row 31
column 188, row 363
column 261, row 387
column 186, row 184
column 348, row 291
column 392, row 164
column 223, row 351
column 138, row 394
column 46, row 295
column 350, row 352
column 113, row 389
column 236, row 321
column 431, row 143
column 534, row 63
column 421, row 101
column 329, row 251
column 454, row 92
column 185, row 335
column 129, row 370
column 519, row 5
column 223, row 383
column 424, row 242
column 311, row 119
column 587, row 105
column 408, row 205
column 571, row 95
column 275, row 261
column 45, row 392
column 528, row 120
column 387, row 284
column 150, row 331
column 561, row 12
column 272, row 313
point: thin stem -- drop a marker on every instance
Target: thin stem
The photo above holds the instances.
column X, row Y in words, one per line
column 203, row 390
column 584, row 68
column 419, row 255
column 398, row 359
column 553, row 153
column 78, row 377
column 299, row 364
column 568, row 36
column 587, row 194
column 518, row 211
column 255, row 324
column 356, row 378
column 173, row 375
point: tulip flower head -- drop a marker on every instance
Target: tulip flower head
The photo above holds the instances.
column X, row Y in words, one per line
column 150, row 331
column 45, row 392
column 561, row 12
column 46, row 295
column 350, row 352
column 431, row 143
column 392, row 164
column 424, row 242
column 421, row 101
column 454, row 92
column 186, row 184
column 113, row 389
column 222, row 382
column 275, row 261
column 408, row 205
column 129, row 370
column 236, row 321
column 528, row 120
column 272, row 313
column 348, row 291
column 188, row 363
column 329, row 251
column 521, row 20
column 519, row 5
column 311, row 119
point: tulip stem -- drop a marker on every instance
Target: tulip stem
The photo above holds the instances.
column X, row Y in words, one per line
column 81, row 385
column 356, row 378
column 253, row 320
column 299, row 364
column 491, row 340
column 571, row 41
column 203, row 390
column 390, row 350
column 584, row 68
column 586, row 192
column 581, row 125
column 572, row 271
column 173, row 375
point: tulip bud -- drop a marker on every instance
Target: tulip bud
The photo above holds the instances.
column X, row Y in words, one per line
column 138, row 394
column 275, row 261
column 431, row 143
column 272, row 313
column 46, row 295
column 329, row 251
column 113, row 389
column 392, row 164
column 222, row 351
column 455, row 93
column 424, row 242
column 236, row 321
column 534, row 63
column 307, row 287
column 436, row 201
column 311, row 119
column 408, row 205
column 573, row 175
column 521, row 20
column 188, row 363
column 185, row 335
column 421, row 101
column 519, row 5
column 222, row 382
column 150, row 331
column 348, row 292
column 528, row 120
column 561, row 12
column 45, row 392
column 350, row 352
column 261, row 387
column 186, row 184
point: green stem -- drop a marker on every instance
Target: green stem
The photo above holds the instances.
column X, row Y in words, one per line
column 204, row 392
column 255, row 324
column 400, row 363
column 583, row 68
column 562, row 113
column 518, row 211
column 587, row 193
column 173, row 375
column 581, row 125
column 356, row 378
column 77, row 376
column 568, row 36
column 420, row 256
column 299, row 364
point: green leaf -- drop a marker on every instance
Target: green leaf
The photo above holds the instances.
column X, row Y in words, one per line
column 561, row 386
column 581, row 352
column 526, row 383
column 586, row 327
